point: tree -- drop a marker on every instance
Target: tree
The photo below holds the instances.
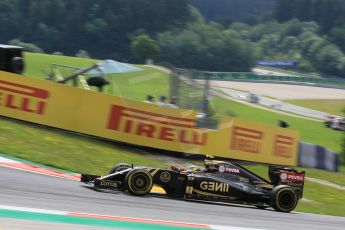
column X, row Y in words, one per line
column 337, row 35
column 29, row 47
column 92, row 25
column 327, row 13
column 225, row 11
column 82, row 54
column 144, row 47
column 206, row 46
column 329, row 60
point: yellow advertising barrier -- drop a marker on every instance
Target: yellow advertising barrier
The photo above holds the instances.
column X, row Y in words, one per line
column 140, row 123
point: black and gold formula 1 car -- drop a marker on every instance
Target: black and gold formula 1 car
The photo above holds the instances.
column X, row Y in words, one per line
column 218, row 181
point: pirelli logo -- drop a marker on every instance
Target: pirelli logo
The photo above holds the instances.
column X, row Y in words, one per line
column 154, row 125
column 247, row 140
column 283, row 146
column 23, row 98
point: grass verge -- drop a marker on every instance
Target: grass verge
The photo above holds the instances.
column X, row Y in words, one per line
column 66, row 150
column 310, row 131
column 334, row 106
column 321, row 199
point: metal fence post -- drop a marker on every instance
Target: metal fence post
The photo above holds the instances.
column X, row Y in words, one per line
column 206, row 78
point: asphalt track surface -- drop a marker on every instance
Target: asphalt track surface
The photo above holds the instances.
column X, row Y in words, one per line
column 25, row 189
column 277, row 104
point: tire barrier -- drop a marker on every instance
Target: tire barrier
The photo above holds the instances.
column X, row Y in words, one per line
column 316, row 156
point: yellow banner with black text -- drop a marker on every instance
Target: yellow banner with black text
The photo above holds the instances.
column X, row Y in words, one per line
column 139, row 123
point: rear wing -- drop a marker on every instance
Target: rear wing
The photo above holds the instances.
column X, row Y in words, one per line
column 287, row 176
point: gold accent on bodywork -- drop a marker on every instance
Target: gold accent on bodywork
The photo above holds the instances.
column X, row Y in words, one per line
column 189, row 190
column 157, row 189
column 268, row 186
column 153, row 171
column 208, row 193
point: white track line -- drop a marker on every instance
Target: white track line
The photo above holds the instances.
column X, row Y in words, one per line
column 36, row 210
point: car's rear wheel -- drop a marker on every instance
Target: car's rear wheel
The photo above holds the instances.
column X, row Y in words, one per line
column 119, row 167
column 138, row 182
column 283, row 198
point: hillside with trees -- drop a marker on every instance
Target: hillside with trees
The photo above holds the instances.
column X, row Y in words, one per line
column 227, row 11
column 223, row 35
column 102, row 28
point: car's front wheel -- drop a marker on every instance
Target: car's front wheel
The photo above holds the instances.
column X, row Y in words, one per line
column 283, row 198
column 138, row 182
column 119, row 167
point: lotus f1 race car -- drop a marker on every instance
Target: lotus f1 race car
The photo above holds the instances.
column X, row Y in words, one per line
column 218, row 181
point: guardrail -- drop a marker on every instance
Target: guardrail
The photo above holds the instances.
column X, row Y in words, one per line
column 316, row 156
column 250, row 76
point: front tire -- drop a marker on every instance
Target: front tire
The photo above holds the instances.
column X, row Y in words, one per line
column 119, row 167
column 138, row 182
column 284, row 198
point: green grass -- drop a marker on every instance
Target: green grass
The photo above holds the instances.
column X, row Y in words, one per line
column 39, row 65
column 334, row 177
column 321, row 199
column 332, row 106
column 134, row 85
column 310, row 131
column 137, row 85
column 65, row 150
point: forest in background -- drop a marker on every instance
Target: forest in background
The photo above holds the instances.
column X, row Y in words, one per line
column 221, row 35
column 228, row 11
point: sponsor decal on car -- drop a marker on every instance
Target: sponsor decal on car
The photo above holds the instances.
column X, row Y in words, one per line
column 214, row 186
column 189, row 190
column 222, row 169
column 295, row 184
column 247, row 140
column 108, row 184
column 165, row 176
column 296, row 177
column 155, row 125
column 283, row 176
column 22, row 97
column 243, row 179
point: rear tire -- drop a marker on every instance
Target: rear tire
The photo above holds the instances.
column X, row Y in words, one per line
column 284, row 198
column 119, row 167
column 138, row 182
